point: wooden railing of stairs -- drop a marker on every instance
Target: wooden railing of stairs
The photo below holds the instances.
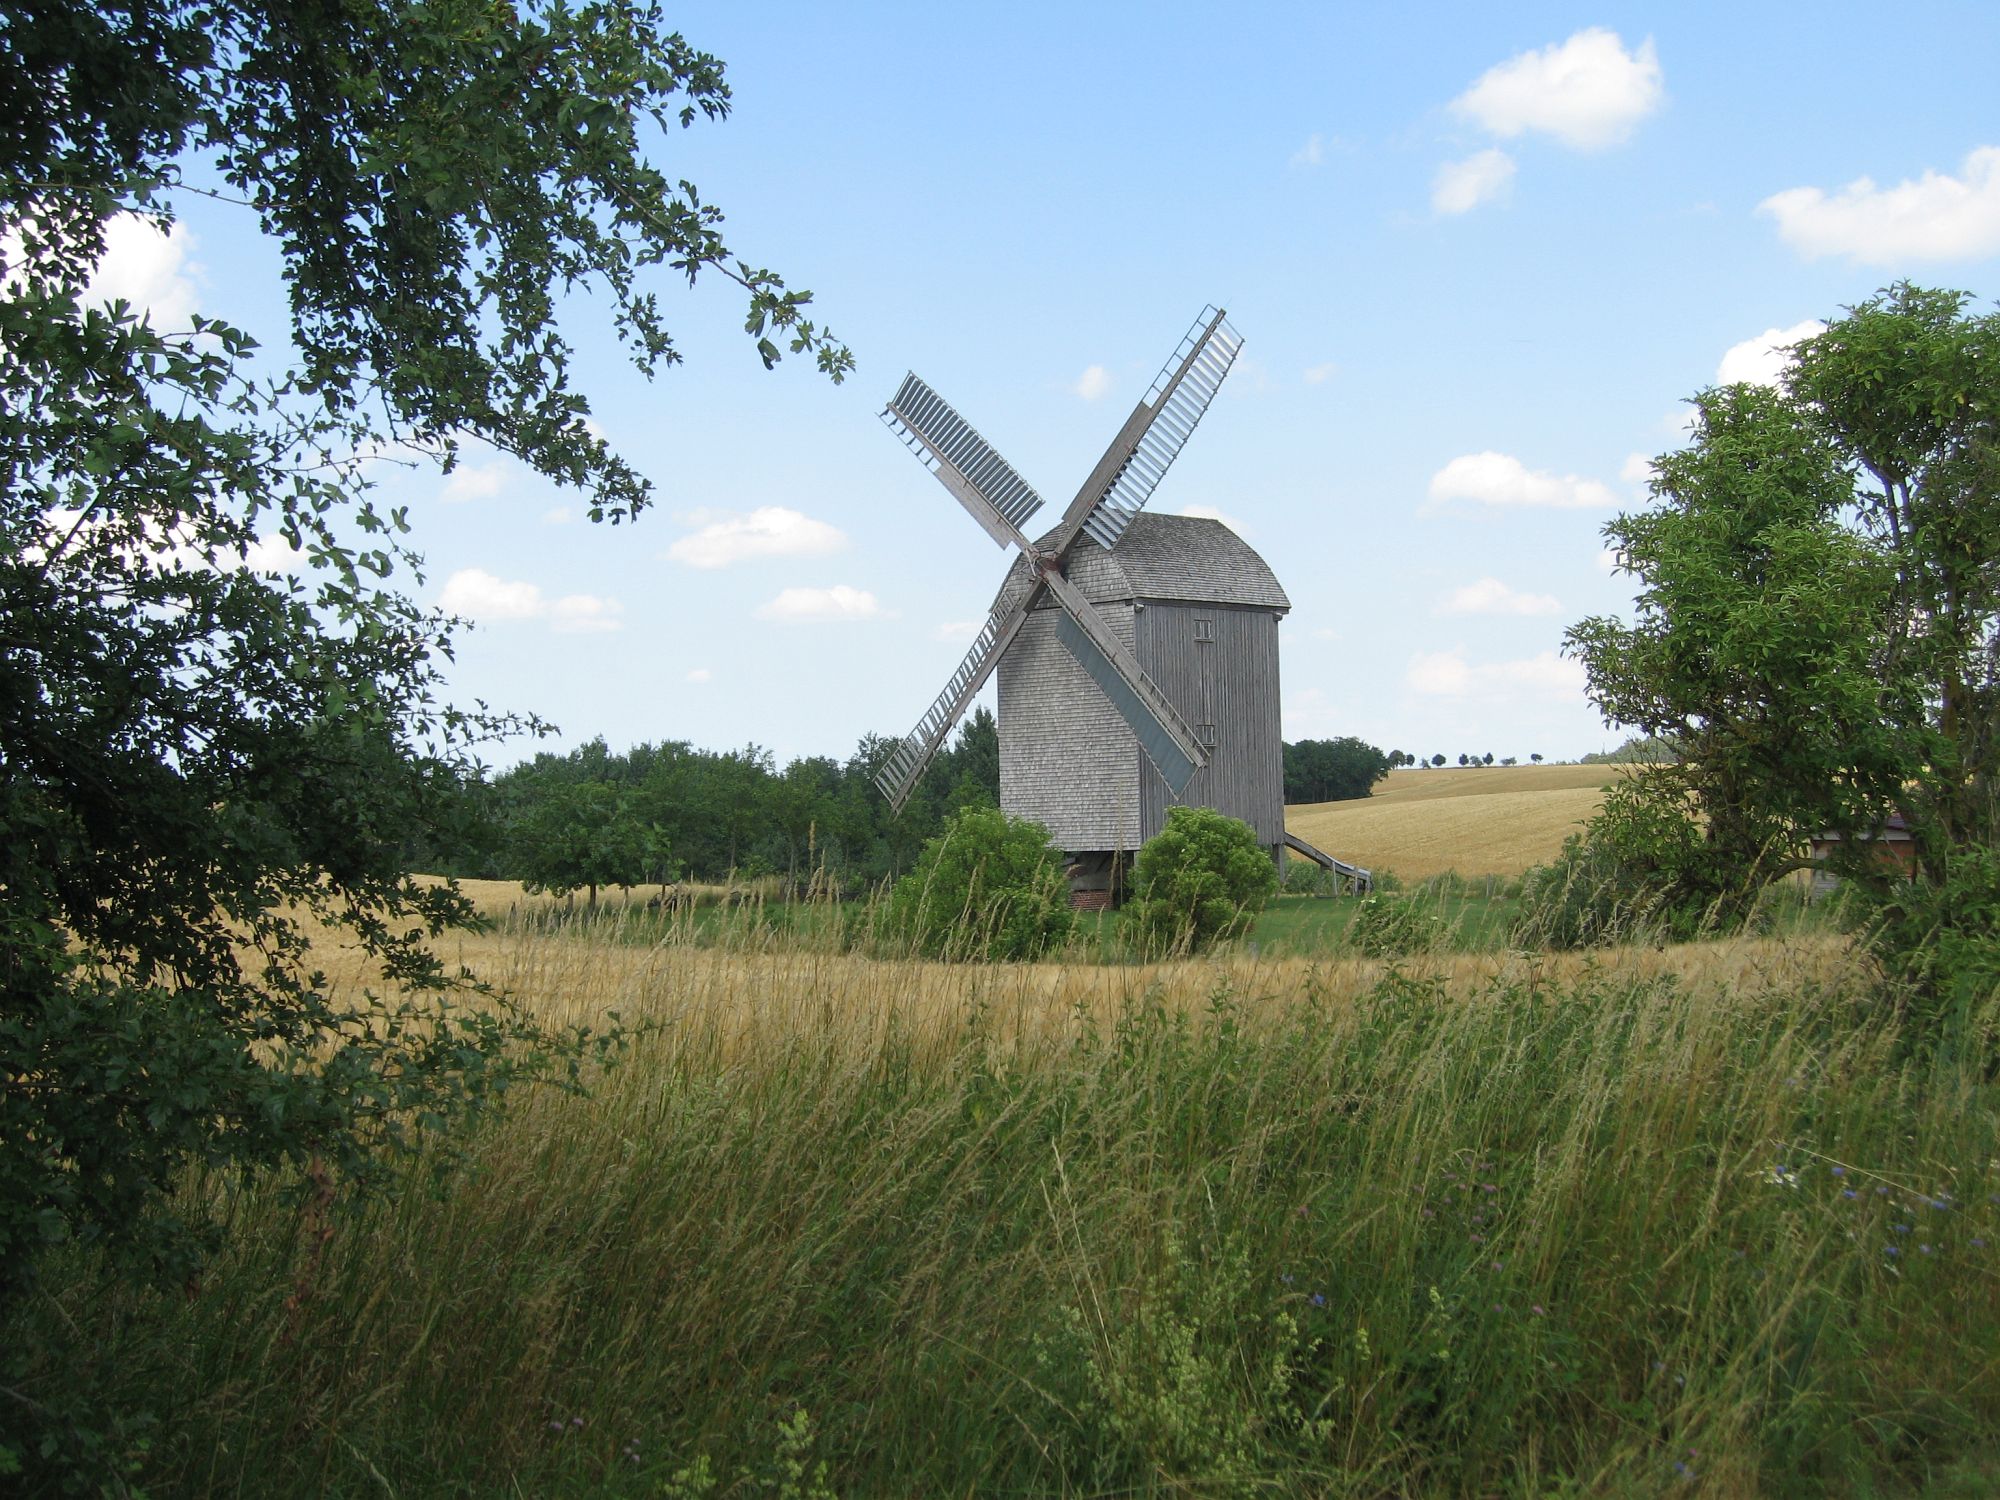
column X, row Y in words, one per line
column 1358, row 879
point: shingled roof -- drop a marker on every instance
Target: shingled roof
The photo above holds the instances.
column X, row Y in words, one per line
column 1186, row 559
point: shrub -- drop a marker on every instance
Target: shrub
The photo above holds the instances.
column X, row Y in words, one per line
column 1394, row 927
column 1638, row 872
column 1939, row 943
column 989, row 886
column 1201, row 879
column 1304, row 878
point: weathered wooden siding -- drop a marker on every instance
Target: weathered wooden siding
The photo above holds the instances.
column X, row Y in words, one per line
column 1219, row 666
column 1067, row 759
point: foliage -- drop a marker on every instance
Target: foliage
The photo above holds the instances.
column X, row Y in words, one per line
column 1200, row 880
column 1332, row 770
column 1939, row 941
column 732, row 813
column 1395, row 927
column 200, row 763
column 988, row 886
column 1637, row 749
column 1754, row 651
column 584, row 835
column 1908, row 383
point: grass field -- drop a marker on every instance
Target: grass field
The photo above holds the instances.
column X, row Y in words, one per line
column 1686, row 1220
column 1498, row 820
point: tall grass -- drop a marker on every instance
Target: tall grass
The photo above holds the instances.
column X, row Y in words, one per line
column 1660, row 1222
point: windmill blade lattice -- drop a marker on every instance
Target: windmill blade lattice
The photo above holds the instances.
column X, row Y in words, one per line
column 951, row 447
column 1180, row 394
column 913, row 754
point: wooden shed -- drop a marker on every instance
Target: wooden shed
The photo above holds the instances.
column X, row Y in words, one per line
column 1199, row 609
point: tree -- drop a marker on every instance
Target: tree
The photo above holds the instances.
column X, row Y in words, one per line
column 1199, row 880
column 1438, row 759
column 1536, row 757
column 988, row 886
column 198, row 761
column 1332, row 770
column 1807, row 671
column 581, row 835
column 1908, row 385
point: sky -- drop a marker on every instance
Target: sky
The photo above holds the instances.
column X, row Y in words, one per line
column 1480, row 256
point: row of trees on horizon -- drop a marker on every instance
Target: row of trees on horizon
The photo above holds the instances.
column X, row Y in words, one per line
column 668, row 811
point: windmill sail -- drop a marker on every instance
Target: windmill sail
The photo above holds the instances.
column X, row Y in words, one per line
column 999, row 499
column 1177, row 399
column 912, row 757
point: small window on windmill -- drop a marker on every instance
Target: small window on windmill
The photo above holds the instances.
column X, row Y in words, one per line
column 1205, row 733
column 1204, row 628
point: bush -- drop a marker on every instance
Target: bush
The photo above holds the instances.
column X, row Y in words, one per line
column 1939, row 943
column 1304, row 878
column 989, row 886
column 1201, row 879
column 1638, row 872
column 1393, row 927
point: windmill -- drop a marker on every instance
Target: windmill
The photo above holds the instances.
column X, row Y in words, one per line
column 1092, row 613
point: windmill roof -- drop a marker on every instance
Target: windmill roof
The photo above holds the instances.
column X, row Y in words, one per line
column 1183, row 558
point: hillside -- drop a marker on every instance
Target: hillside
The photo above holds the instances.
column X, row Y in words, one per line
column 1497, row 820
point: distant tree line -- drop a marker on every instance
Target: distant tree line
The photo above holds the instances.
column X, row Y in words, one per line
column 660, row 813
column 1334, row 770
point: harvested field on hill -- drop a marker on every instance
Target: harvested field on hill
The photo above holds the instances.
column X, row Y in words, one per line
column 1497, row 820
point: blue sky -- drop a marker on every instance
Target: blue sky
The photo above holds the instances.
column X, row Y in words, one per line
column 1479, row 256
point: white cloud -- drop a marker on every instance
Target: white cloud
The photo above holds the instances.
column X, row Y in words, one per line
column 149, row 268
column 1320, row 374
column 1461, row 186
column 958, row 630
column 1609, row 560
column 558, row 515
column 1587, row 92
column 479, row 595
column 1637, row 468
column 1092, row 383
column 1501, row 479
column 1210, row 513
column 796, row 606
column 1447, row 674
column 1763, row 360
column 1312, row 153
column 1935, row 217
column 474, row 482
column 1438, row 674
column 576, row 614
column 1489, row 596
column 727, row 537
column 701, row 674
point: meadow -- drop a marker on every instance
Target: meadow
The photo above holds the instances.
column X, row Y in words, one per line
column 1496, row 820
column 1696, row 1220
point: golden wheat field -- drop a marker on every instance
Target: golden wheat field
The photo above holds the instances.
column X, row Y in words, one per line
column 1497, row 820
column 748, row 993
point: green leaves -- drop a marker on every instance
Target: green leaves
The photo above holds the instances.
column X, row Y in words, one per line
column 1817, row 647
column 202, row 767
column 988, row 886
column 1200, row 880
